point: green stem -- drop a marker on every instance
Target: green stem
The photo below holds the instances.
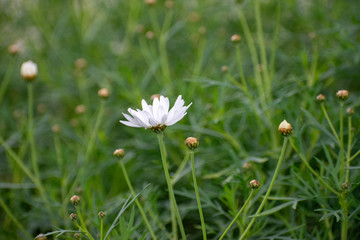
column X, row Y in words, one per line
column 237, row 215
column 5, row 82
column 242, row 75
column 344, row 223
column 354, row 156
column 348, row 150
column 312, row 170
column 168, row 181
column 136, row 200
column 342, row 151
column 101, row 228
column 30, row 128
column 329, row 122
column 243, row 235
column 197, row 195
column 82, row 223
column 13, row 218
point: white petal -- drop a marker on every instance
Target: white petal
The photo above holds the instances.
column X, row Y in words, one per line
column 175, row 120
column 130, row 124
column 145, row 106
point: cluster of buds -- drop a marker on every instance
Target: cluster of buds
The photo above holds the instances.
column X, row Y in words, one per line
column 192, row 143
column 29, row 71
column 285, row 128
column 119, row 153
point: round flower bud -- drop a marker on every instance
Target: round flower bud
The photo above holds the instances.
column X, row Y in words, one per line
column 119, row 153
column 73, row 216
column 345, row 186
column 80, row 109
column 41, row 237
column 192, row 143
column 320, row 97
column 155, row 96
column 14, row 49
column 236, row 38
column 75, row 200
column 224, row 69
column 103, row 93
column 77, row 235
column 150, row 35
column 246, row 166
column 350, row 111
column 254, row 184
column 342, row 95
column 169, row 4
column 285, row 128
column 150, row 2
column 101, row 214
column 194, row 17
column 80, row 63
column 56, row 128
column 29, row 71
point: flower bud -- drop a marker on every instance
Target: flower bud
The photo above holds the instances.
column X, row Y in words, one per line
column 350, row 111
column 41, row 237
column 28, row 71
column 119, row 153
column 75, row 200
column 246, row 166
column 103, row 93
column 77, row 235
column 155, row 96
column 80, row 64
column 169, row 4
column 254, row 184
column 285, row 128
column 80, row 109
column 101, row 214
column 192, row 143
column 236, row 38
column 320, row 97
column 150, row 35
column 56, row 128
column 345, row 186
column 224, row 69
column 342, row 95
column 14, row 49
column 73, row 216
column 150, row 2
column 194, row 17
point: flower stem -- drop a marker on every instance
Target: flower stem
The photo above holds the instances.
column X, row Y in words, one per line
column 82, row 223
column 197, row 195
column 344, row 223
column 237, row 215
column 101, row 228
column 30, row 129
column 348, row 150
column 312, row 170
column 342, row 151
column 136, row 200
column 168, row 181
column 243, row 235
column 329, row 122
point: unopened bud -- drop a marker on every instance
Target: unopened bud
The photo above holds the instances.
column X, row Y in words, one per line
column 155, row 96
column 14, row 49
column 119, row 153
column 29, row 71
column 103, row 93
column 246, row 166
column 350, row 111
column 224, row 69
column 75, row 200
column 101, row 214
column 192, row 143
column 194, row 17
column 77, row 235
column 236, row 38
column 80, row 109
column 169, row 4
column 342, row 95
column 150, row 2
column 150, row 35
column 80, row 63
column 345, row 186
column 320, row 98
column 285, row 128
column 73, row 216
column 254, row 184
column 56, row 128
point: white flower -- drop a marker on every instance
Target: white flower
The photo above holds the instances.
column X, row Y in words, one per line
column 156, row 116
column 28, row 71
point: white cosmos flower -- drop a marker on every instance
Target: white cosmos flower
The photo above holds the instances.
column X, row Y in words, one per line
column 156, row 116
